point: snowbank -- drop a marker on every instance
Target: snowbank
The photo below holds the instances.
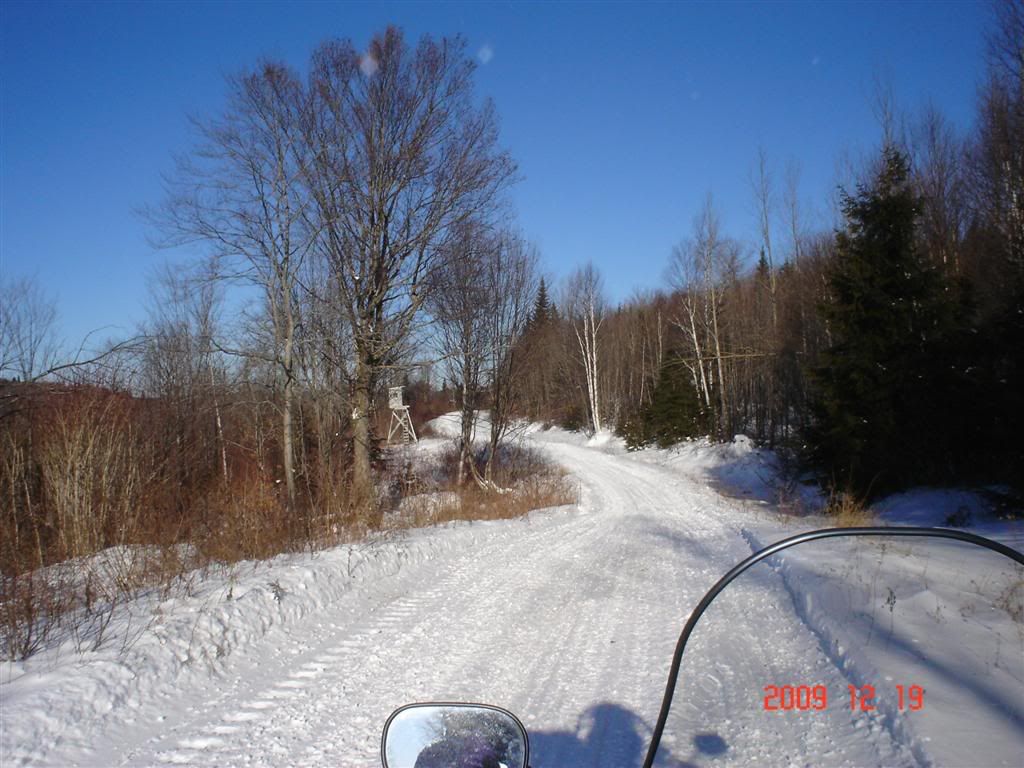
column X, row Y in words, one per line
column 158, row 646
column 556, row 616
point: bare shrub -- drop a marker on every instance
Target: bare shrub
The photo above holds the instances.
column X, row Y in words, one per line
column 30, row 611
column 1011, row 600
column 426, row 404
column 78, row 599
column 847, row 511
column 428, row 493
column 536, row 492
column 90, row 469
column 22, row 541
column 246, row 522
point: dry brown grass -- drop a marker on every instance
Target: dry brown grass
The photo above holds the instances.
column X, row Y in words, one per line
column 246, row 522
column 475, row 503
column 104, row 496
column 524, row 480
column 847, row 511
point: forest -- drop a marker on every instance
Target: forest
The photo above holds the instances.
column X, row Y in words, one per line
column 356, row 235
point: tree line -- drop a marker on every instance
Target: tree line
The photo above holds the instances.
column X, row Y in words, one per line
column 356, row 236
column 337, row 213
column 880, row 354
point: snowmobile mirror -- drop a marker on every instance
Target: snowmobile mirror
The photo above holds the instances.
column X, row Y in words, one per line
column 451, row 735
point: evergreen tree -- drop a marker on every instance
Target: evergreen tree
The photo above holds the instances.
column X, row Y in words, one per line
column 542, row 313
column 882, row 387
column 674, row 413
column 763, row 273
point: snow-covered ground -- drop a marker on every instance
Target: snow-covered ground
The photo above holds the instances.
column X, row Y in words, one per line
column 568, row 618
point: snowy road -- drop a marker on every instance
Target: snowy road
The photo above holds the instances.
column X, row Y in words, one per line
column 568, row 619
column 559, row 623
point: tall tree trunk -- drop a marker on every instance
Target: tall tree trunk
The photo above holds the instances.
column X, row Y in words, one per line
column 362, row 477
column 286, row 443
column 466, row 425
column 594, row 371
column 721, row 373
column 221, row 442
column 289, row 396
column 702, row 384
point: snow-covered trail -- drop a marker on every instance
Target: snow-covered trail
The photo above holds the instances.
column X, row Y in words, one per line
column 678, row 535
column 568, row 618
column 556, row 621
column 568, row 621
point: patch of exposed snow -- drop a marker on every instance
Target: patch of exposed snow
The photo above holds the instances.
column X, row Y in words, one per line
column 568, row 617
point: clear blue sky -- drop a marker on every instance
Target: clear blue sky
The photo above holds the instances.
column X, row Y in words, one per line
column 621, row 116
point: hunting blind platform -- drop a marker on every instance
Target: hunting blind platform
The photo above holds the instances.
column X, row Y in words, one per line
column 400, row 419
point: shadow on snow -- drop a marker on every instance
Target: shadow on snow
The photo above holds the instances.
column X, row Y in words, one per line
column 610, row 736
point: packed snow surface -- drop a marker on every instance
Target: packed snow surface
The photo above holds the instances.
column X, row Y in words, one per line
column 568, row 618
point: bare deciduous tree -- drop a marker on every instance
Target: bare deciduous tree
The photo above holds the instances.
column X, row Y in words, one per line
column 400, row 156
column 458, row 305
column 28, row 345
column 585, row 306
column 998, row 154
column 240, row 194
column 699, row 271
column 761, row 184
column 180, row 367
column 510, row 278
column 1006, row 42
column 480, row 302
column 939, row 178
column 793, row 217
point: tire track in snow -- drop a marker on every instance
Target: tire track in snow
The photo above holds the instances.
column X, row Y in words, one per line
column 402, row 642
column 885, row 716
column 706, row 531
column 558, row 619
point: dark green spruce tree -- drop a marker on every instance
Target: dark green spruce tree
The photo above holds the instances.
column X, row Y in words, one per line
column 674, row 413
column 542, row 311
column 882, row 390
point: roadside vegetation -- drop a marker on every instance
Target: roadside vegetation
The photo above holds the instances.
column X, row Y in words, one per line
column 427, row 491
column 356, row 236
